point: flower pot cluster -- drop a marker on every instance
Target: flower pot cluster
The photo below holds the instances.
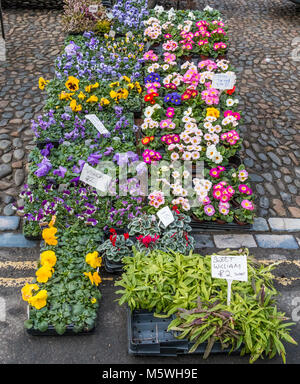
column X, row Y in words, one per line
column 98, row 73
column 187, row 119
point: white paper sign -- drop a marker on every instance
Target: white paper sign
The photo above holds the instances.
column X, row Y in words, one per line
column 229, row 267
column 97, row 124
column 223, row 81
column 93, row 8
column 95, row 178
column 165, row 215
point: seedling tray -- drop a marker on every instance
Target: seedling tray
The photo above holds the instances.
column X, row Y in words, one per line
column 148, row 336
column 50, row 331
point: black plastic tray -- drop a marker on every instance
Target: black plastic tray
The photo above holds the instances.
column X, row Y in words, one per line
column 214, row 226
column 148, row 336
column 112, row 267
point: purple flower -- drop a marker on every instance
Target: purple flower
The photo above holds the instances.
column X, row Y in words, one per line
column 44, row 168
column 94, row 158
column 46, row 151
column 61, row 171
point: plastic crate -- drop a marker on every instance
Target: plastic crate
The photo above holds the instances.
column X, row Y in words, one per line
column 148, row 336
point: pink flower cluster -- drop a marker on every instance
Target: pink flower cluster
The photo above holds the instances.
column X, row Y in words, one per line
column 209, row 64
column 210, row 95
column 231, row 113
column 220, row 31
column 220, row 45
column 223, row 192
column 170, row 45
column 243, row 188
column 216, row 172
column 247, row 204
column 170, row 112
column 192, row 77
column 152, row 87
column 231, row 137
column 150, row 56
column 169, row 58
column 170, row 139
column 167, row 123
column 149, row 155
column 156, row 199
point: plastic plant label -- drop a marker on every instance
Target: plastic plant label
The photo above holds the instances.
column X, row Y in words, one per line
column 165, row 215
column 229, row 268
column 93, row 8
column 97, row 124
column 223, row 81
column 95, row 178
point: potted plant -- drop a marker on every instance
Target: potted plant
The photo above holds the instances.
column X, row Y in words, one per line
column 115, row 249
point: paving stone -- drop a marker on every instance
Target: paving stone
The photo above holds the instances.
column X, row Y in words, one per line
column 264, row 202
column 279, row 207
column 203, row 241
column 276, row 241
column 295, row 211
column 19, row 154
column 5, row 169
column 9, row 223
column 15, row 240
column 260, row 225
column 234, row 241
column 284, row 224
column 275, row 158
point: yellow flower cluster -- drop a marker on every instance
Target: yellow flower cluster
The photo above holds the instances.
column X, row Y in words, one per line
column 122, row 92
column 212, row 112
column 94, row 261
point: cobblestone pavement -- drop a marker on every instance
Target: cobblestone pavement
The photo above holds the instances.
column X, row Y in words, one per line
column 33, row 40
column 261, row 34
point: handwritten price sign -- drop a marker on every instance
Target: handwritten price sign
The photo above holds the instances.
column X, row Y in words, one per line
column 229, row 268
column 95, row 178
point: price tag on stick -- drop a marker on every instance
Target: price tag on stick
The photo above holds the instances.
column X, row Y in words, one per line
column 229, row 268
column 95, row 178
column 97, row 124
column 165, row 215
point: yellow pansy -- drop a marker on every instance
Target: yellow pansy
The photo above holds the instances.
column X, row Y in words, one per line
column 115, row 84
column 124, row 93
column 48, row 235
column 65, row 96
column 94, row 278
column 104, row 101
column 126, row 78
column 92, row 99
column 42, row 83
column 113, row 94
column 138, row 87
column 74, row 106
column 96, row 85
column 44, row 273
column 48, row 258
column 27, row 291
column 72, row 84
column 81, row 96
column 39, row 300
column 130, row 86
column 93, row 300
column 93, row 259
column 88, row 88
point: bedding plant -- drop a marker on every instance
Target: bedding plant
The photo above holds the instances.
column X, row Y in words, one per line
column 170, row 283
column 113, row 68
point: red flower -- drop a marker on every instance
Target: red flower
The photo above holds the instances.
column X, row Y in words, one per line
column 230, row 91
column 112, row 230
column 113, row 239
column 126, row 236
column 175, row 208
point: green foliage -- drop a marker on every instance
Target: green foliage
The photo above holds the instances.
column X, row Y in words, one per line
column 170, row 283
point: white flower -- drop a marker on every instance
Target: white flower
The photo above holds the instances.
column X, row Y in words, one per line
column 176, row 174
column 186, row 174
column 208, row 9
column 174, row 156
column 229, row 102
